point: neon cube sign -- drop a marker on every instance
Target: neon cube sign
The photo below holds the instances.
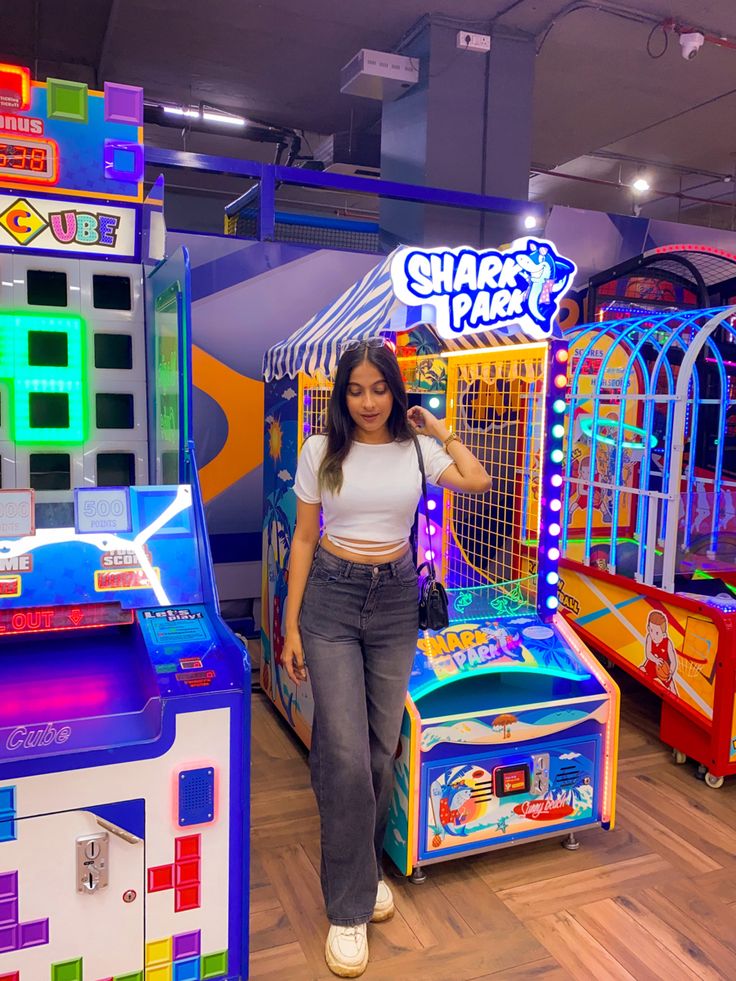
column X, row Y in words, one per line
column 42, row 359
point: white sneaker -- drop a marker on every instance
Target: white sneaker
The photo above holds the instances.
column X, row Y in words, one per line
column 346, row 950
column 384, row 908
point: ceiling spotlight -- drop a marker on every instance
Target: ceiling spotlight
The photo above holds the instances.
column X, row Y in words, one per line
column 530, row 221
column 641, row 185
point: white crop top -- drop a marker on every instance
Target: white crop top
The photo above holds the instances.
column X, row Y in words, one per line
column 380, row 491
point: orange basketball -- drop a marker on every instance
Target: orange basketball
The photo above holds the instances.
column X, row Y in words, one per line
column 663, row 671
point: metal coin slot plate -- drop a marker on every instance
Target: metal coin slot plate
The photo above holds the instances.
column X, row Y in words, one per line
column 540, row 773
column 93, row 853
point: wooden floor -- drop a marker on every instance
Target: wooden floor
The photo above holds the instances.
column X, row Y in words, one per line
column 655, row 898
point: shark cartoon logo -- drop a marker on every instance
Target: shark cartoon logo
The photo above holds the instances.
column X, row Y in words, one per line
column 516, row 289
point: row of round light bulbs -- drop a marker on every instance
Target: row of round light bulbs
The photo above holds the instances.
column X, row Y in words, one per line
column 434, row 403
column 555, row 505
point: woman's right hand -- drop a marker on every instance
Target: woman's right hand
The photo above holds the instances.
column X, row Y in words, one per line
column 292, row 656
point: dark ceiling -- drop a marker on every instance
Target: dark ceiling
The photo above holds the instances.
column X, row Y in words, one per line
column 597, row 90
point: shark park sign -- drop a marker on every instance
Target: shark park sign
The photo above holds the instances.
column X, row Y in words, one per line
column 516, row 289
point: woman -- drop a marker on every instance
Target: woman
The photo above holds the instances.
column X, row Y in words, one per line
column 352, row 617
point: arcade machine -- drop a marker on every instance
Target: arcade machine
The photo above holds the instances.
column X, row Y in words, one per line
column 668, row 277
column 648, row 575
column 510, row 726
column 123, row 721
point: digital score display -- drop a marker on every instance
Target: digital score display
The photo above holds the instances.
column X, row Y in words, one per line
column 29, row 159
column 511, row 780
column 40, row 619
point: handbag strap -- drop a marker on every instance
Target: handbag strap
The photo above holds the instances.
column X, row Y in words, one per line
column 430, row 561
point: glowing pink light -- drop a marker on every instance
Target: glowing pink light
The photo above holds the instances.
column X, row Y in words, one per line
column 730, row 364
column 554, row 554
column 67, row 699
column 556, row 480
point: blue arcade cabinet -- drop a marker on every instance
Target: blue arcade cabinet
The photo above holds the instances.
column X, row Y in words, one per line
column 124, row 720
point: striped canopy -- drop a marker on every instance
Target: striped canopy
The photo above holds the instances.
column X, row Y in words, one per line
column 366, row 309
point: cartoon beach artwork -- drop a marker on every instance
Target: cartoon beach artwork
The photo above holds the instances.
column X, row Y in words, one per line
column 458, row 798
column 464, row 805
column 473, row 732
column 660, row 657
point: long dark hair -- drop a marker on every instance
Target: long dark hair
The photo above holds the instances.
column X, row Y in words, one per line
column 340, row 426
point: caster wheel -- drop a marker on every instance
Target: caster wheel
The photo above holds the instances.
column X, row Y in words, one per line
column 418, row 875
column 678, row 757
column 712, row 781
column 700, row 772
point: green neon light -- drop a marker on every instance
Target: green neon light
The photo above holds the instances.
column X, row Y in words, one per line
column 586, row 427
column 558, row 405
column 702, row 574
column 494, row 669
column 26, row 379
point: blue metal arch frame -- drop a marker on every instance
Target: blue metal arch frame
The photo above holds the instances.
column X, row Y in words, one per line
column 634, row 334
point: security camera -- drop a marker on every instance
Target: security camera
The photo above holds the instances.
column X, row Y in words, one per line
column 691, row 43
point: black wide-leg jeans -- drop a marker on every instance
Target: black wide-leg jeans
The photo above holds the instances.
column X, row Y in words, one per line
column 359, row 626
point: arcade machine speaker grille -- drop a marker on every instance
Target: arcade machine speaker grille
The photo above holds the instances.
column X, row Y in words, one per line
column 196, row 796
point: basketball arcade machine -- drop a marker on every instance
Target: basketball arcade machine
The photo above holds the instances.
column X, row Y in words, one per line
column 667, row 277
column 648, row 574
column 510, row 725
column 123, row 723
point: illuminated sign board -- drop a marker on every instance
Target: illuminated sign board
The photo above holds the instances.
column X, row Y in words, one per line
column 65, row 226
column 516, row 289
column 99, row 509
column 61, row 137
column 15, row 88
column 40, row 619
column 17, row 520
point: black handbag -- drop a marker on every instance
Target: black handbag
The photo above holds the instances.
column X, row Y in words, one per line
column 433, row 606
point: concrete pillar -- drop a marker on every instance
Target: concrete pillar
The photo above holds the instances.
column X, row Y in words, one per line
column 465, row 126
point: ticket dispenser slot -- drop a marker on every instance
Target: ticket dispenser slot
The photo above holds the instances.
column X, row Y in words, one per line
column 92, row 862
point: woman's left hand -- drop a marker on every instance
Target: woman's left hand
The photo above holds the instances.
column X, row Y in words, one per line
column 425, row 423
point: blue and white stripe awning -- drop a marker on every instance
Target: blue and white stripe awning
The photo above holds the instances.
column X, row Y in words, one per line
column 367, row 309
column 362, row 311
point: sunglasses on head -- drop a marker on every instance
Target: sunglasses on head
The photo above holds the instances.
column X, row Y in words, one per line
column 366, row 342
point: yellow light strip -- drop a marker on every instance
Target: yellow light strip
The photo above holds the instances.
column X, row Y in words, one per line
column 610, row 769
column 412, row 792
column 503, row 350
